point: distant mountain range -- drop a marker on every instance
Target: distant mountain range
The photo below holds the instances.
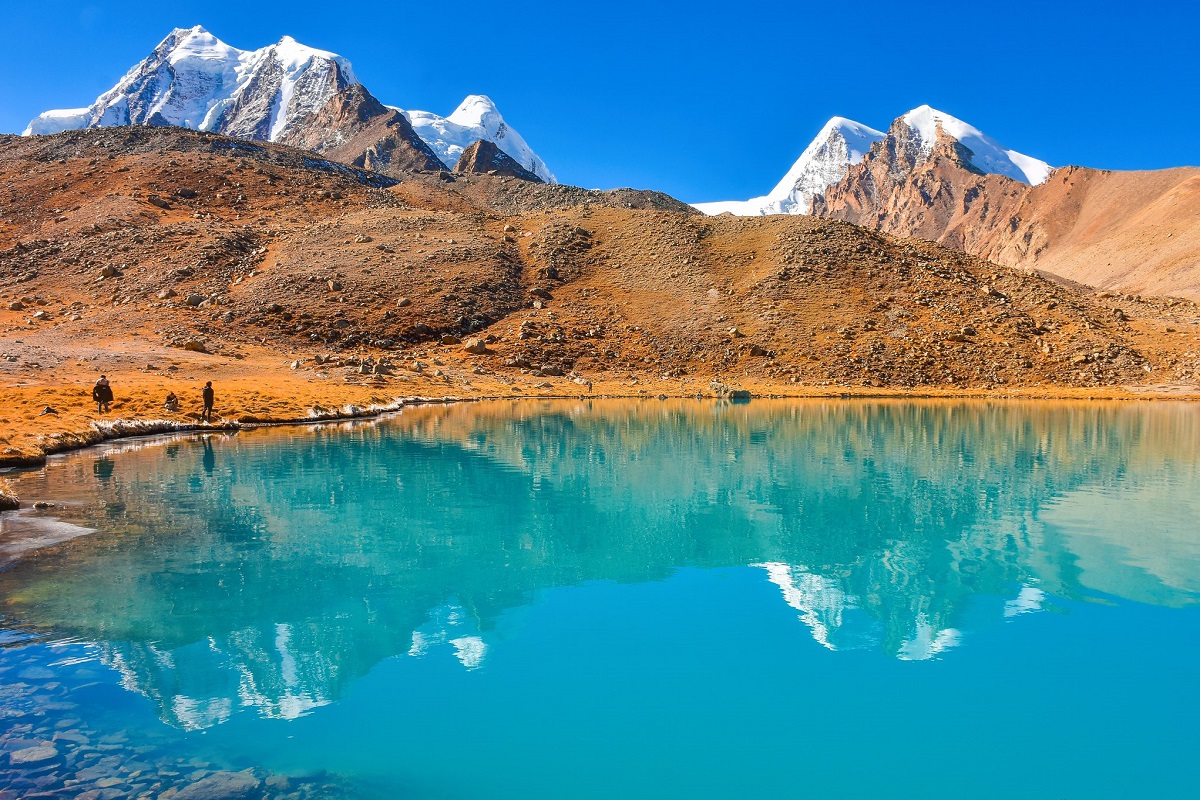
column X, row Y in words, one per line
column 291, row 94
column 912, row 138
column 930, row 175
column 933, row 176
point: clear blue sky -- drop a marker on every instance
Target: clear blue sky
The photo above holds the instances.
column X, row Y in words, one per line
column 703, row 100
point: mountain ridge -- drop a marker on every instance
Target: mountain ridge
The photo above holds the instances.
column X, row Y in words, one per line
column 843, row 143
column 287, row 92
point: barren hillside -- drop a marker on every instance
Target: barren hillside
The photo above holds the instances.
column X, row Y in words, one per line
column 164, row 258
column 1134, row 232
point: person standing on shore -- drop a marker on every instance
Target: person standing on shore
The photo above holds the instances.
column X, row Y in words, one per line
column 103, row 395
column 207, row 393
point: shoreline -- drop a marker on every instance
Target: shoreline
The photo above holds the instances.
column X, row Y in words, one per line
column 101, row 432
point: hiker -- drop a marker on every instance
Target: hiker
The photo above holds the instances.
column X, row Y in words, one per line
column 206, row 414
column 103, row 395
column 172, row 402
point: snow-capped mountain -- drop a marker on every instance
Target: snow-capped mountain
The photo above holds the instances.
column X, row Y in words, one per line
column 988, row 155
column 194, row 80
column 840, row 144
column 475, row 118
column 278, row 93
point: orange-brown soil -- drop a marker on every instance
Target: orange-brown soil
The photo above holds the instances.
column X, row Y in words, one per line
column 164, row 258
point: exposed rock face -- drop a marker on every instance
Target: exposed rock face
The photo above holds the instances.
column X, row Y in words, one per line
column 485, row 157
column 1128, row 231
column 355, row 128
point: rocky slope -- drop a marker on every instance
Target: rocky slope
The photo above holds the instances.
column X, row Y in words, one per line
column 355, row 128
column 485, row 157
column 935, row 177
column 1135, row 232
column 291, row 94
column 138, row 246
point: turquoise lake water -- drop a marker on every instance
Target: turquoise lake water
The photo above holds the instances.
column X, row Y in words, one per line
column 616, row 599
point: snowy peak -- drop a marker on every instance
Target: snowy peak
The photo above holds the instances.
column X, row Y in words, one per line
column 194, row 80
column 843, row 143
column 987, row 155
column 277, row 93
column 839, row 144
column 475, row 119
column 477, row 110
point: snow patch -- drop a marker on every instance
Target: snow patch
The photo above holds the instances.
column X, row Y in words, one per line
column 475, row 118
column 840, row 144
column 987, row 154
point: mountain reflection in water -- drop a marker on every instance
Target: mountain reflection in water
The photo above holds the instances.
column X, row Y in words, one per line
column 269, row 570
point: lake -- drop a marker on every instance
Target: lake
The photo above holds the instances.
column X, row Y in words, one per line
column 597, row 599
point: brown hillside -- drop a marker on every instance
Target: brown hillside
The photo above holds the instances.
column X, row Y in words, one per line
column 164, row 258
column 1135, row 232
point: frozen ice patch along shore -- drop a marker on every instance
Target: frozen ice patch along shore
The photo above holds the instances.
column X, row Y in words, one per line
column 24, row 531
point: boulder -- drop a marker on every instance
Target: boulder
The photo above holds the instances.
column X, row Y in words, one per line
column 475, row 346
column 221, row 786
column 32, row 755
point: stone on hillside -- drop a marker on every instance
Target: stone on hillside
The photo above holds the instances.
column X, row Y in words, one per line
column 9, row 502
column 155, row 200
column 335, row 286
column 403, row 302
column 475, row 346
column 195, row 346
column 735, row 333
column 186, row 194
column 16, row 305
column 363, row 239
column 110, row 272
column 194, row 300
column 167, row 294
column 448, row 338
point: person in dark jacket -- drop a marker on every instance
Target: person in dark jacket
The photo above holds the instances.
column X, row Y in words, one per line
column 207, row 393
column 103, row 395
